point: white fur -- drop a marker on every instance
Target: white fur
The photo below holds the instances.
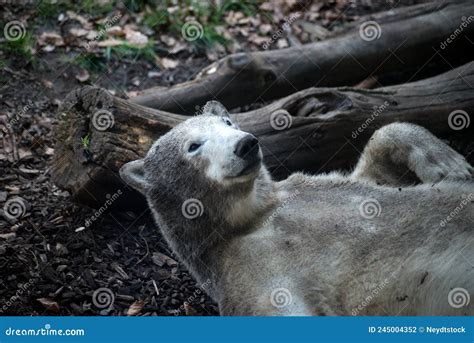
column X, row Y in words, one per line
column 306, row 235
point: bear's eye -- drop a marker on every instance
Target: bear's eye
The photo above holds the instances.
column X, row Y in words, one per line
column 228, row 122
column 193, row 147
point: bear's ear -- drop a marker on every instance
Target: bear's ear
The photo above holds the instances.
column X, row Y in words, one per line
column 215, row 108
column 133, row 174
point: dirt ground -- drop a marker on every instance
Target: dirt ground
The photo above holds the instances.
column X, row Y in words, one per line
column 49, row 263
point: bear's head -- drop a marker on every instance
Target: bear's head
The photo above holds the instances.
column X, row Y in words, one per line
column 209, row 150
column 204, row 180
column 207, row 159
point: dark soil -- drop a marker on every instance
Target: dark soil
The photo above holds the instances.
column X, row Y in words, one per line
column 50, row 263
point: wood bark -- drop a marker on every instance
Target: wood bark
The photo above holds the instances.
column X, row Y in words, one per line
column 399, row 45
column 314, row 130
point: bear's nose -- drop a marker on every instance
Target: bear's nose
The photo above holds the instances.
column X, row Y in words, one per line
column 247, row 147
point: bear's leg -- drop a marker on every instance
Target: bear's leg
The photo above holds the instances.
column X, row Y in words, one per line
column 401, row 153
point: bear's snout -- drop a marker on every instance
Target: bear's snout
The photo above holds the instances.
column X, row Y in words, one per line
column 247, row 148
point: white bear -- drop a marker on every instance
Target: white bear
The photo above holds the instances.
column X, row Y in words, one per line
column 394, row 237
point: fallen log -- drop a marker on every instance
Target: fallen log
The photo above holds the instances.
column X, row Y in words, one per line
column 404, row 41
column 314, row 130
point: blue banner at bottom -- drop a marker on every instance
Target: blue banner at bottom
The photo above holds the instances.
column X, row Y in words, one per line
column 236, row 329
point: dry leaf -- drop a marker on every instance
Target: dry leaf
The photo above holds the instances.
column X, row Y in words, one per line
column 152, row 74
column 256, row 39
column 178, row 48
column 212, row 55
column 83, row 75
column 135, row 308
column 168, row 63
column 50, row 38
column 48, row 84
column 109, row 42
column 267, row 6
column 233, row 17
column 316, row 32
column 24, row 153
column 265, row 28
column 135, row 37
column 49, row 304
column 49, row 48
column 85, row 23
column 244, row 21
column 168, row 40
column 78, row 32
column 173, row 9
column 161, row 259
column 282, row 43
column 92, row 35
column 244, row 31
column 116, row 31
